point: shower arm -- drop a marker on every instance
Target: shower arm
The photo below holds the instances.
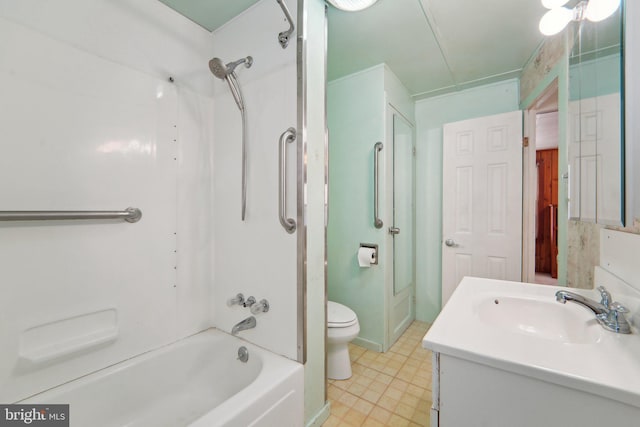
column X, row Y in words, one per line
column 284, row 36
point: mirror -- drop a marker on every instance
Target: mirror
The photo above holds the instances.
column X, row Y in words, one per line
column 595, row 123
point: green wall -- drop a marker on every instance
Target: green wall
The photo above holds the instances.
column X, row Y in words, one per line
column 595, row 77
column 358, row 118
column 356, row 114
column 431, row 114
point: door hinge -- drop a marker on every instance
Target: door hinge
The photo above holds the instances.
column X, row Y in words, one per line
column 525, row 141
column 413, row 151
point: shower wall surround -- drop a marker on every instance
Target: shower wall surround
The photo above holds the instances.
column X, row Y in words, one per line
column 257, row 256
column 90, row 121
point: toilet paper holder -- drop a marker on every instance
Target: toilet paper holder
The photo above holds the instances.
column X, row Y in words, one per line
column 375, row 248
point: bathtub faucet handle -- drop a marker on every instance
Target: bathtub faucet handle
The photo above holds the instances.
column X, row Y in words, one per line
column 237, row 300
column 249, row 302
column 260, row 307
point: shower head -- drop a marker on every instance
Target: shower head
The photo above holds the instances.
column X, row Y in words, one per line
column 222, row 70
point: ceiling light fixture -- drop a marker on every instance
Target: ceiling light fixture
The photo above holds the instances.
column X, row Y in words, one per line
column 558, row 17
column 597, row 10
column 352, row 5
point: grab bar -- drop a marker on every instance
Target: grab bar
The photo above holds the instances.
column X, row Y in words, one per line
column 284, row 36
column 129, row 215
column 377, row 222
column 289, row 224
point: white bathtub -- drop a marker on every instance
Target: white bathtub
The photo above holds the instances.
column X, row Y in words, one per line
column 197, row 382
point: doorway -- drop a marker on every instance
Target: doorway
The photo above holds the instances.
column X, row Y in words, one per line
column 540, row 190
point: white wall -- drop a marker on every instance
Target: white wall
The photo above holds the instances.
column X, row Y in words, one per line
column 256, row 257
column 547, row 130
column 90, row 122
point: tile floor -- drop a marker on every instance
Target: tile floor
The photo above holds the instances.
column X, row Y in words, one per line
column 386, row 389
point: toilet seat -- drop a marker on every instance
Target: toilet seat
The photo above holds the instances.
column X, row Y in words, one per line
column 340, row 316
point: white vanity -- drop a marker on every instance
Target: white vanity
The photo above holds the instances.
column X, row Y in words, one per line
column 508, row 354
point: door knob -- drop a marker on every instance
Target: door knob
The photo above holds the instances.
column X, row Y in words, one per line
column 394, row 230
column 450, row 242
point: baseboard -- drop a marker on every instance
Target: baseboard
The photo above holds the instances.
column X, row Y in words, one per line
column 321, row 416
column 369, row 345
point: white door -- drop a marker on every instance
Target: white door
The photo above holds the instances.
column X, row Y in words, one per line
column 482, row 200
column 402, row 230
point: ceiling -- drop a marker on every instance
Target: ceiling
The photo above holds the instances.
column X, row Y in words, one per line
column 433, row 46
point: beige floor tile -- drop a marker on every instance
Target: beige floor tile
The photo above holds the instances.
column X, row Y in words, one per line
column 380, row 414
column 372, row 396
column 363, row 406
column 410, row 400
column 354, row 417
column 379, row 387
column 384, row 378
column 371, row 422
column 393, row 393
column 364, row 381
column 420, row 417
column 399, row 384
column 356, row 389
column 347, row 399
column 334, row 393
column 332, row 421
column 404, row 410
column 339, row 409
column 387, row 403
column 415, row 390
column 386, row 389
column 398, row 421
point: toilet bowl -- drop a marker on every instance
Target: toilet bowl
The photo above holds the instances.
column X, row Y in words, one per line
column 342, row 327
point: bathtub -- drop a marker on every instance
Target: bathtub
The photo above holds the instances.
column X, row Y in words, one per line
column 196, row 382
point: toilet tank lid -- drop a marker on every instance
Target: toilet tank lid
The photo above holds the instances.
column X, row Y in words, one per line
column 340, row 314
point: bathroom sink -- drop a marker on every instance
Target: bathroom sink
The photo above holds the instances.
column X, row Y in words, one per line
column 545, row 319
column 521, row 329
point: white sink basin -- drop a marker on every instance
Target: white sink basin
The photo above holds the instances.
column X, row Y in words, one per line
column 546, row 319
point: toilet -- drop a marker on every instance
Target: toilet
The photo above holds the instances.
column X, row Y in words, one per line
column 342, row 327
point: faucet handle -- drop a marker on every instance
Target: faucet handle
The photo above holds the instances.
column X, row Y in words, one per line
column 616, row 321
column 260, row 307
column 604, row 295
column 237, row 300
column 618, row 308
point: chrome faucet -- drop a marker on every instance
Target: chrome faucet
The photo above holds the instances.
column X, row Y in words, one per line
column 609, row 315
column 248, row 323
column 596, row 307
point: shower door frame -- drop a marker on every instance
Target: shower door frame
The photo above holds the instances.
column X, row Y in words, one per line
column 400, row 311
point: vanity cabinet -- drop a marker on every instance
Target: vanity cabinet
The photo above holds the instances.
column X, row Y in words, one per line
column 468, row 393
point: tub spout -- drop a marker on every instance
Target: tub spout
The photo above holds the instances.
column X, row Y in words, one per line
column 248, row 323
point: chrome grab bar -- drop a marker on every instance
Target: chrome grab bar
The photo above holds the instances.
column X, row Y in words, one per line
column 284, row 36
column 377, row 222
column 289, row 224
column 129, row 215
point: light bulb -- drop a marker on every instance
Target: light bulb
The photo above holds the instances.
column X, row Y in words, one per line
column 352, row 5
column 552, row 4
column 555, row 20
column 597, row 10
